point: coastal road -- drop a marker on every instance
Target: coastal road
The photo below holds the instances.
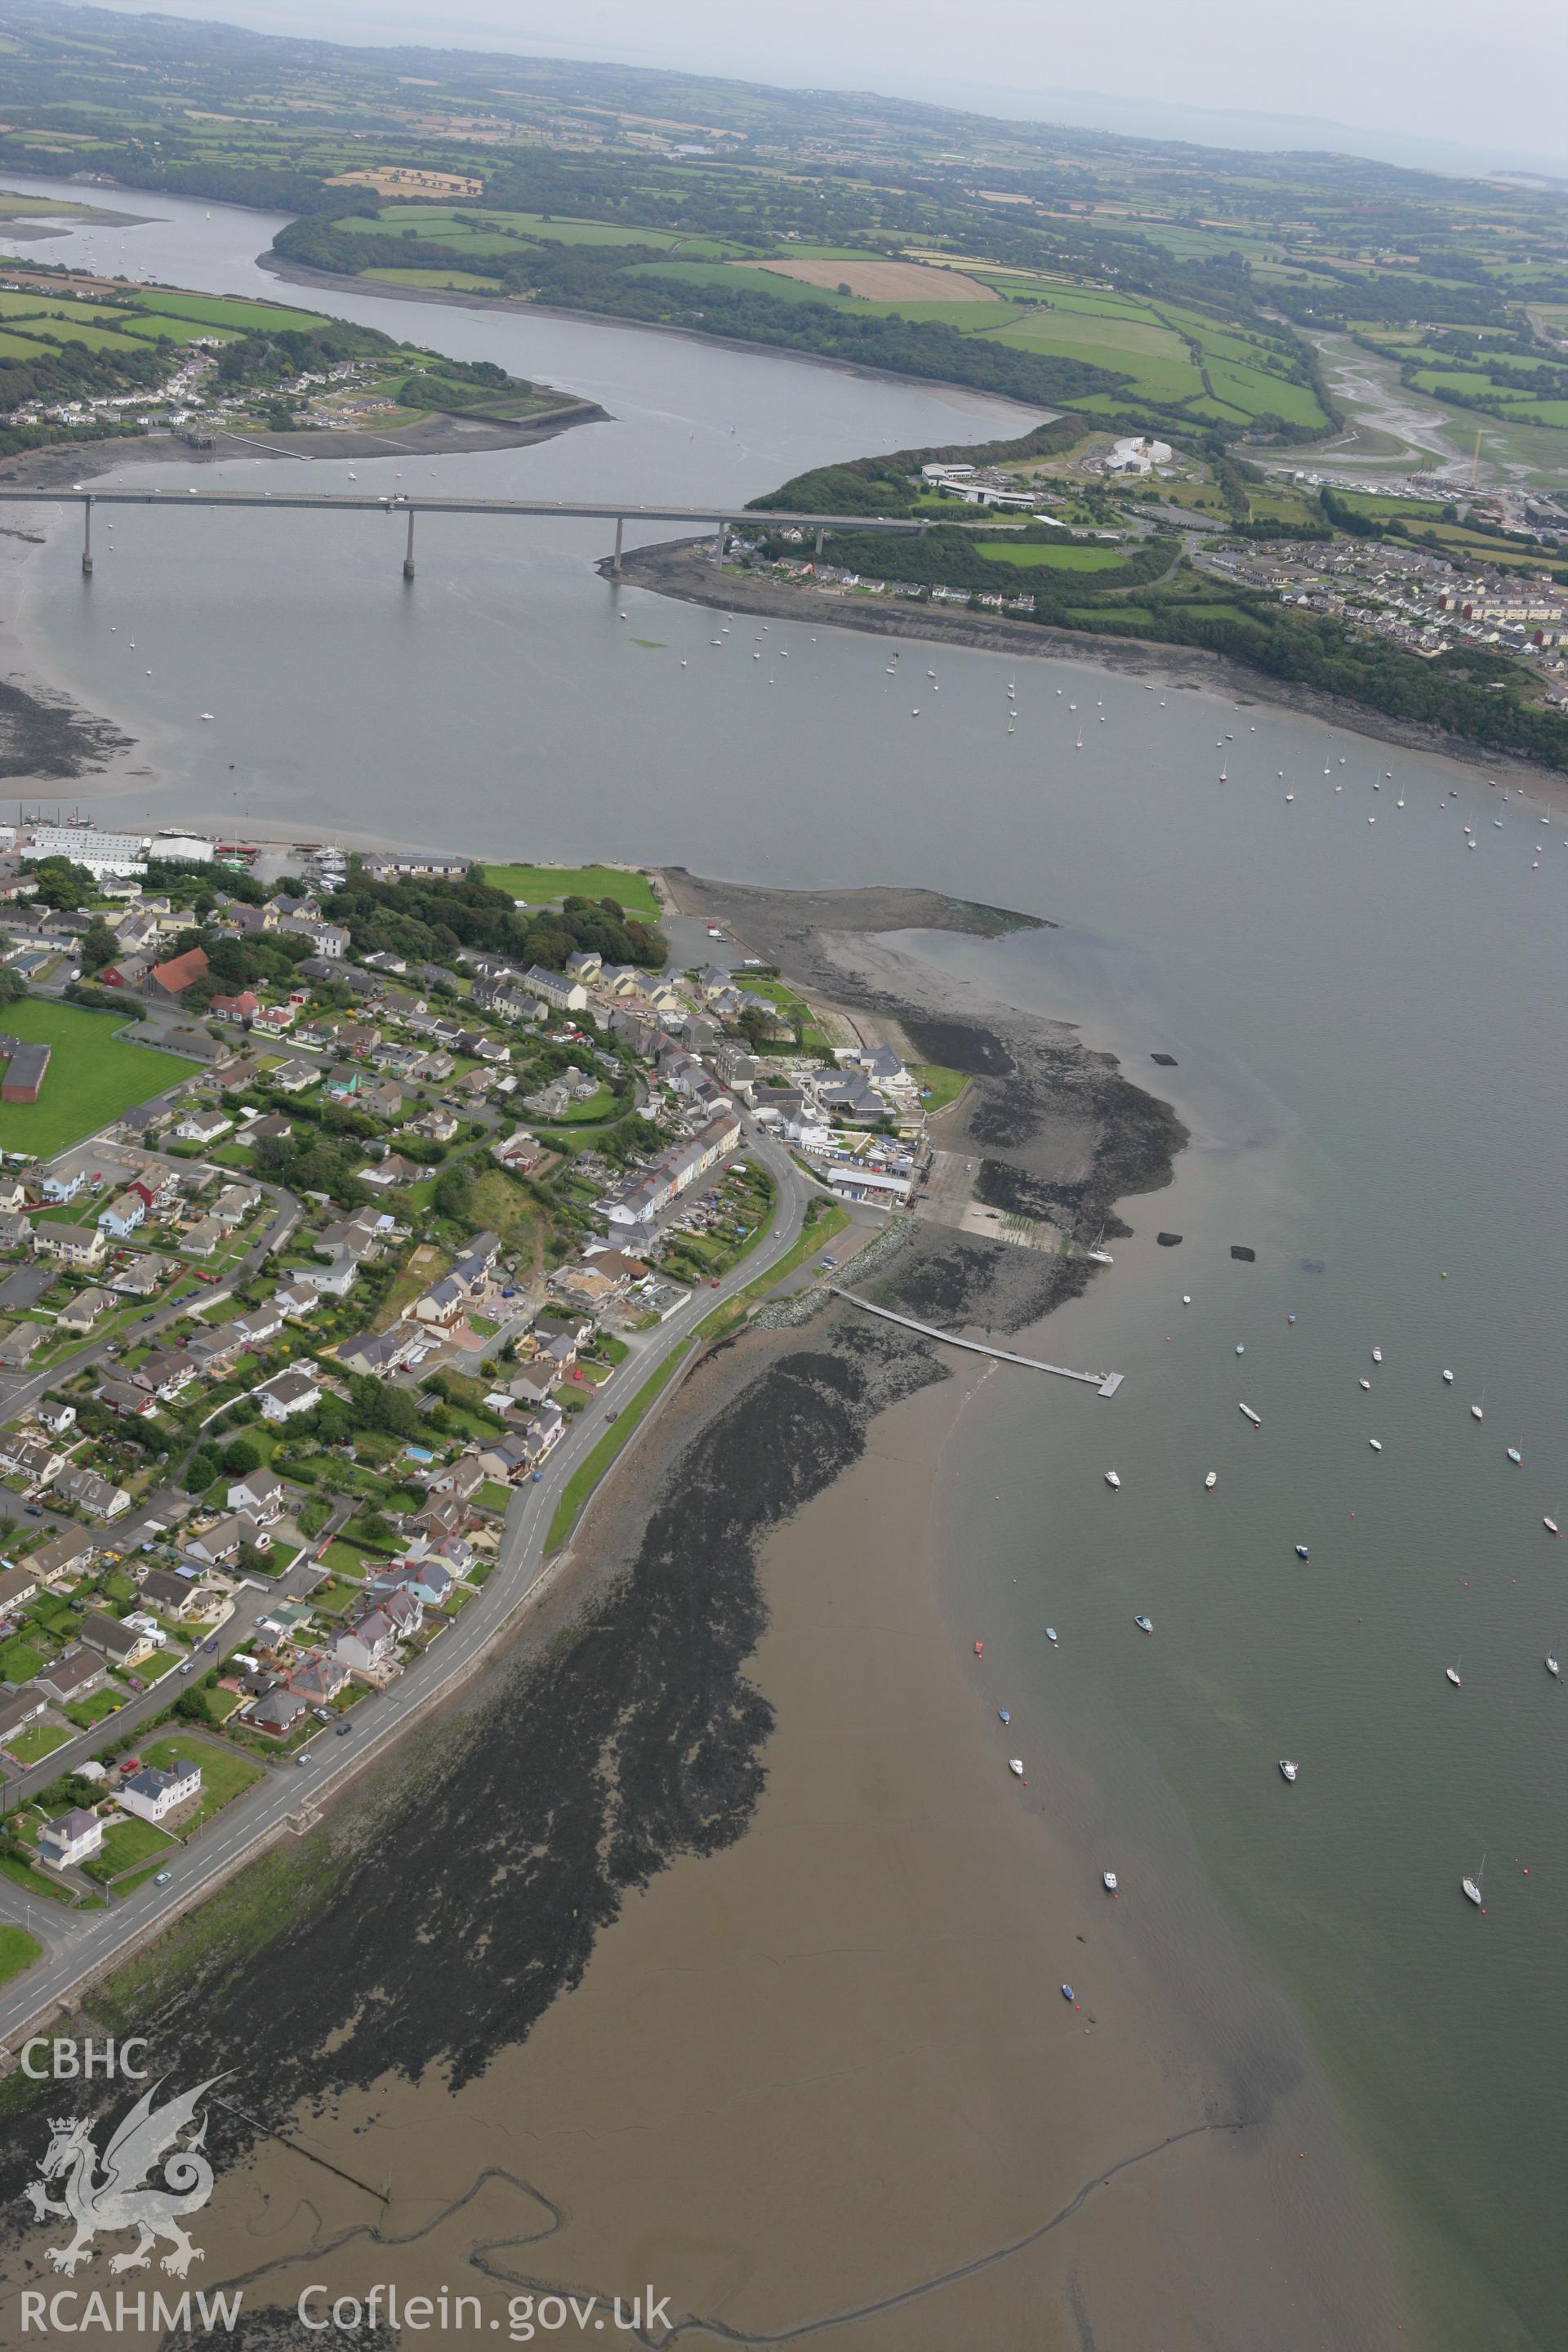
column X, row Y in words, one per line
column 80, row 1945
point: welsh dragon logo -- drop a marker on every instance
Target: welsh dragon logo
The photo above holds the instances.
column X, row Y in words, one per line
column 111, row 2194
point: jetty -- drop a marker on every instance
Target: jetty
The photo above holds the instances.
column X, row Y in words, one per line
column 1107, row 1383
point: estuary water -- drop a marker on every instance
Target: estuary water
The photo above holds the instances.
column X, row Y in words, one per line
column 1368, row 1019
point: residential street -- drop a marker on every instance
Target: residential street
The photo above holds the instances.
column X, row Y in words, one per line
column 79, row 1945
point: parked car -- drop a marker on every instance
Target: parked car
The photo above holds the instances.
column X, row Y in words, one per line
column 34, row 1512
column 211, row 1642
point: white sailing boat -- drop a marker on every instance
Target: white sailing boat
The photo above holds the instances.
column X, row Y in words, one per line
column 1447, row 1378
column 1107, row 1880
column 1016, row 1766
column 1552, row 1668
column 1453, row 1674
column 1472, row 1887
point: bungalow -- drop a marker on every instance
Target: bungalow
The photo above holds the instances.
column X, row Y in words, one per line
column 72, row 1245
column 172, row 1596
column 140, row 1275
column 201, row 1239
column 381, row 1175
column 127, row 1400
column 56, row 1415
column 76, row 1673
column 18, row 1345
column 65, row 1558
column 436, row 1125
column 278, row 1710
column 70, row 1839
column 241, row 1008
column 342, row 1083
column 286, row 1394
column 122, row 1645
column 80, row 1313
column 260, row 1324
column 293, row 1077
column 219, row 1545
column 202, row 1126
column 259, row 1493
column 234, row 1204
column 298, row 1300
column 153, row 1795
column 123, row 1214
column 273, row 1129
column 19, row 1708
column 166, row 1372
column 426, row 1579
column 520, row 1152
column 84, row 1490
column 377, row 1354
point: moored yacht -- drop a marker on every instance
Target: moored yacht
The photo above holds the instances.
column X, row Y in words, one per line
column 1112, row 1480
column 1288, row 1768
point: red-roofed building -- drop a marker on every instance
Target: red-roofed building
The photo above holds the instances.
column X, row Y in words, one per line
column 172, row 979
column 240, row 1008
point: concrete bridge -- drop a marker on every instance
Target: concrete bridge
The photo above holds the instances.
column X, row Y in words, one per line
column 720, row 519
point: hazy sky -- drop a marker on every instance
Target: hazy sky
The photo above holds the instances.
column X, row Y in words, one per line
column 1487, row 77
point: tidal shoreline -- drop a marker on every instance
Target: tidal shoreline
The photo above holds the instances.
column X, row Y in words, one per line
column 754, row 1998
column 682, row 568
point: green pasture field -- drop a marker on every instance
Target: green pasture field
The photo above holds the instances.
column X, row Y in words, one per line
column 457, row 281
column 541, row 884
column 221, row 310
column 93, row 1075
column 1060, row 555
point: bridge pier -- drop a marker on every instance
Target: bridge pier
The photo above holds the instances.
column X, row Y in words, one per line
column 87, row 541
column 819, row 539
column 615, row 559
column 720, row 543
column 408, row 556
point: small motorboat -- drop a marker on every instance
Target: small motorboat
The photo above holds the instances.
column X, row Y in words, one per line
column 1476, row 1413
column 1288, row 1768
column 1107, row 1880
column 1255, row 1418
column 1016, row 1766
column 1553, row 1667
column 1212, row 1481
column 1112, row 1479
column 1367, row 1385
column 1144, row 1624
column 1186, row 1298
column 1004, row 1714
column 1066, row 1993
column 980, row 1649
column 1051, row 1635
column 1452, row 1673
column 1302, row 1553
column 1447, row 1378
column 1240, row 1350
column 1376, row 1444
column 1514, row 1454
column 1378, row 1355
column 1552, row 1526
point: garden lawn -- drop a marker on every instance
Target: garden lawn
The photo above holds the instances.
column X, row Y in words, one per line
column 225, row 1774
column 128, row 1842
column 541, row 884
column 30, row 1747
column 94, row 1074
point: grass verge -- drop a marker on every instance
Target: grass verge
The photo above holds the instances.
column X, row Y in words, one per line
column 587, row 1475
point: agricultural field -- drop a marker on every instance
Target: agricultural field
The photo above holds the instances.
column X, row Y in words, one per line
column 95, row 1074
column 1059, row 555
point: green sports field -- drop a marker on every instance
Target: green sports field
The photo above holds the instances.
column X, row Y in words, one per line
column 540, row 884
column 93, row 1075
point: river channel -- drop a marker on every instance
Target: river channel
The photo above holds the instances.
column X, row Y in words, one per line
column 1368, row 1018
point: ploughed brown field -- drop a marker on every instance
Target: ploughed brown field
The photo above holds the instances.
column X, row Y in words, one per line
column 883, row 281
